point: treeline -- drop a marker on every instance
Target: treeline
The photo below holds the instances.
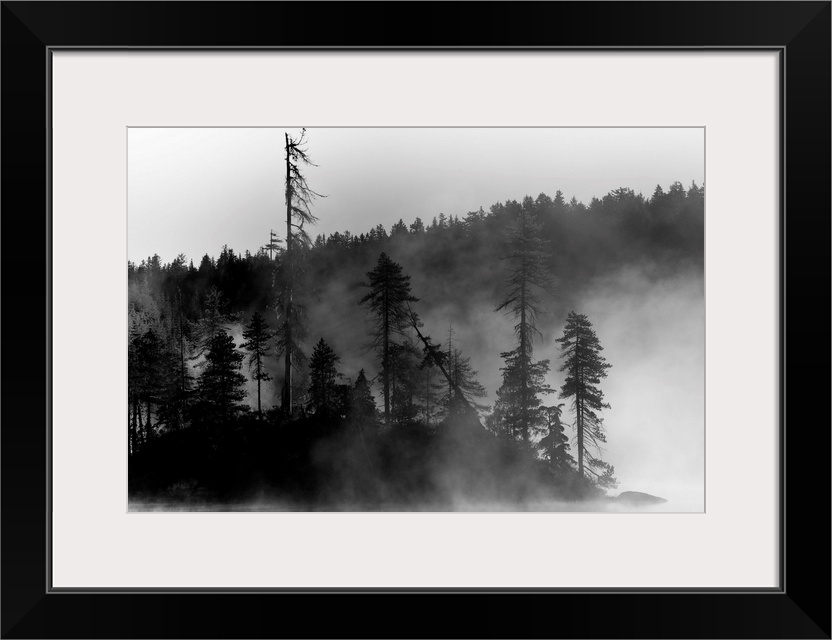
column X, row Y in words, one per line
column 418, row 430
column 619, row 229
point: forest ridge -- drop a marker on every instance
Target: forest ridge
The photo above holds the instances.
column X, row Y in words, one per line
column 418, row 430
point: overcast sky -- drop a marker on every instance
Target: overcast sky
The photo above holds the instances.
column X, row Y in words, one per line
column 193, row 190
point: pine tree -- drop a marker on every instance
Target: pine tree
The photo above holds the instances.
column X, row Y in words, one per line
column 362, row 415
column 152, row 377
column 258, row 335
column 584, row 368
column 465, row 387
column 323, row 374
column 221, row 383
column 529, row 277
column 518, row 399
column 362, row 402
column 388, row 300
column 134, row 386
column 462, row 386
column 555, row 444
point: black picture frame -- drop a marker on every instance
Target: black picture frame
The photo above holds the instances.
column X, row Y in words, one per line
column 799, row 608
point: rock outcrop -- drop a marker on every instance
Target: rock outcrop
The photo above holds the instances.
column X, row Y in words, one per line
column 637, row 497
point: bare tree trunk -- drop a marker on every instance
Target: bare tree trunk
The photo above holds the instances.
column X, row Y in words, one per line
column 287, row 380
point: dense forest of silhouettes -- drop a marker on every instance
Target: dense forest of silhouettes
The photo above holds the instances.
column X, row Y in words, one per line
column 382, row 409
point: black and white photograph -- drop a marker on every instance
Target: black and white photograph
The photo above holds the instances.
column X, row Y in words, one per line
column 416, row 319
column 391, row 327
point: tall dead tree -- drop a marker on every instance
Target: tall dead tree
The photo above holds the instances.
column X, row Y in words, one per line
column 299, row 198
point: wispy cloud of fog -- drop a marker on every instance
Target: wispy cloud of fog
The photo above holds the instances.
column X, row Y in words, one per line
column 653, row 333
column 650, row 324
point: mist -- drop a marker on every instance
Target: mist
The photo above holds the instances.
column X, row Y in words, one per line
column 632, row 264
column 653, row 330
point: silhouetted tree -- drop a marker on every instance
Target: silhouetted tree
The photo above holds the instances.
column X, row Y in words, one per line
column 362, row 414
column 152, row 377
column 529, row 276
column 323, row 374
column 518, row 398
column 258, row 336
column 584, row 368
column 299, row 198
column 134, row 391
column 433, row 354
column 398, row 229
column 555, row 444
column 221, row 383
column 388, row 299
column 465, row 384
column 462, row 388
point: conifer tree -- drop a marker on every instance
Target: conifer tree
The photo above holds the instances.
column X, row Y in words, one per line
column 323, row 374
column 462, row 386
column 152, row 378
column 221, row 383
column 529, row 277
column 388, row 300
column 135, row 386
column 465, row 385
column 584, row 368
column 555, row 444
column 362, row 402
column 518, row 399
column 258, row 336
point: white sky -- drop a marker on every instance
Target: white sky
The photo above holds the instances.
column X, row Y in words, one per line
column 191, row 190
